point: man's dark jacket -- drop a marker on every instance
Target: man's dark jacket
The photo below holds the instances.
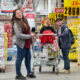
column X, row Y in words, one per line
column 64, row 40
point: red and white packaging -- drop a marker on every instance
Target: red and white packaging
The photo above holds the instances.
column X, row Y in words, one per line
column 8, row 29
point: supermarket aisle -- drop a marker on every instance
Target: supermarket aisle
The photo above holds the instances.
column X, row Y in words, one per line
column 45, row 75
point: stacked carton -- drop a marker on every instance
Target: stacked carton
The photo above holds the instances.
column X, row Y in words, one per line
column 5, row 19
column 72, row 24
column 3, row 47
column 78, row 45
column 8, row 30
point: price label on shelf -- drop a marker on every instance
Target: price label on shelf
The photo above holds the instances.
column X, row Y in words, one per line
column 61, row 15
column 72, row 11
column 72, row 3
column 71, row 7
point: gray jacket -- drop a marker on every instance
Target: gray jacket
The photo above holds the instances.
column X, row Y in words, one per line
column 20, row 37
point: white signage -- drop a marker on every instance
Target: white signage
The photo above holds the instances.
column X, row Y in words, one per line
column 7, row 5
column 27, row 5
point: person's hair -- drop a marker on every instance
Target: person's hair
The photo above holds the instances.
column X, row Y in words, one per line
column 58, row 19
column 45, row 24
column 55, row 26
column 33, row 29
column 15, row 19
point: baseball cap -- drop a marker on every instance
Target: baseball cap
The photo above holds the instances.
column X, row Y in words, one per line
column 58, row 19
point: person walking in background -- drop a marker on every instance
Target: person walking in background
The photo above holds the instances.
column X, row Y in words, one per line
column 65, row 43
column 21, row 30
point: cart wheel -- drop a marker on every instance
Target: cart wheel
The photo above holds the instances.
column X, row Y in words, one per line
column 40, row 68
column 53, row 68
column 57, row 71
column 33, row 70
column 2, row 70
column 58, row 61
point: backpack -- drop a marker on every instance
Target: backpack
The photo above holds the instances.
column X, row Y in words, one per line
column 71, row 36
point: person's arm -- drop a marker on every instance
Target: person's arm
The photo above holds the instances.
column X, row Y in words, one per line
column 19, row 34
column 52, row 29
column 66, row 31
column 41, row 31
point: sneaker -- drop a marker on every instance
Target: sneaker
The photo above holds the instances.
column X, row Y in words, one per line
column 64, row 71
column 31, row 75
column 20, row 77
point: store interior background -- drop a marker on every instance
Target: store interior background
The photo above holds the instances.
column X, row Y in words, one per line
column 42, row 9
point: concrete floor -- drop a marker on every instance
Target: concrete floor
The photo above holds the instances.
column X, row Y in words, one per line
column 46, row 73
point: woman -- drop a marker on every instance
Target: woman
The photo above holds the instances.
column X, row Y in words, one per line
column 21, row 30
column 47, row 26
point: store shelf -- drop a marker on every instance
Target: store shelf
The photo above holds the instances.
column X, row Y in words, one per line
column 39, row 18
column 43, row 14
column 38, row 22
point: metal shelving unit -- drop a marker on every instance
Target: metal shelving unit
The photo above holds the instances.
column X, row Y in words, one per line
column 42, row 14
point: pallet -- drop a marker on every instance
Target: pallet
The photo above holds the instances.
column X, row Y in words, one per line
column 2, row 69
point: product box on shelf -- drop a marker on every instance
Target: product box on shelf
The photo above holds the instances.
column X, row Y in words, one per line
column 3, row 51
column 8, row 30
column 4, row 20
column 1, row 28
column 2, row 61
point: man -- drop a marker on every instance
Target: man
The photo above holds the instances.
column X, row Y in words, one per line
column 65, row 43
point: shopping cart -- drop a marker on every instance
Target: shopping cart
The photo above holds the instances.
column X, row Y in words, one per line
column 46, row 54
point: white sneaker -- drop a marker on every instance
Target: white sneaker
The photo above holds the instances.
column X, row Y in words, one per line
column 64, row 71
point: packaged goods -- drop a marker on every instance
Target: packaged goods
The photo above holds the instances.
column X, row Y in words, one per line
column 3, row 51
column 1, row 28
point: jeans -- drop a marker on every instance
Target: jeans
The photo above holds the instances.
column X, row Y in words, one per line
column 21, row 54
column 65, row 52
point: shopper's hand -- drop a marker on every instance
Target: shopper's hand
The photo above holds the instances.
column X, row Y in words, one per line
column 56, row 38
column 33, row 35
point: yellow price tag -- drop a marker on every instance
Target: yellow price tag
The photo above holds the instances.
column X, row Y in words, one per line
column 68, row 3
column 61, row 15
column 52, row 17
column 72, row 11
column 71, row 7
